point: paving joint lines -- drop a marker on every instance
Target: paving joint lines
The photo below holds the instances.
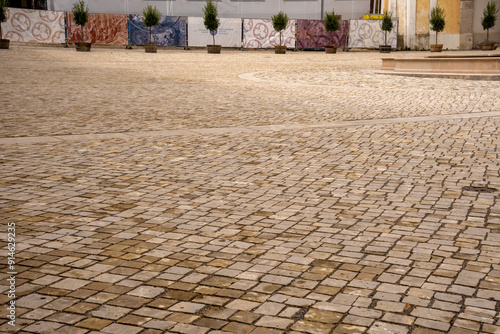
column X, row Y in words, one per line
column 268, row 208
column 256, row 128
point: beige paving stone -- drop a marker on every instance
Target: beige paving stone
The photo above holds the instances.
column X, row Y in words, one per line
column 146, row 292
column 33, row 301
column 66, row 318
column 246, row 317
column 383, row 327
column 192, row 194
column 110, row 312
column 38, row 314
column 70, row 330
column 432, row 324
column 187, row 307
column 242, row 305
column 93, row 323
column 159, row 324
column 312, row 327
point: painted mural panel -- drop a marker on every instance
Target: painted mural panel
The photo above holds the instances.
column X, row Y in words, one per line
column 171, row 31
column 369, row 34
column 260, row 34
column 311, row 34
column 228, row 34
column 35, row 26
column 103, row 29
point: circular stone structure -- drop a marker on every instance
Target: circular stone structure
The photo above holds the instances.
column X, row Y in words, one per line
column 474, row 67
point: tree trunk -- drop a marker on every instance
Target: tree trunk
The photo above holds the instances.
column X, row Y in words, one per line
column 149, row 34
column 82, row 33
column 487, row 35
column 0, row 31
column 385, row 38
column 213, row 38
column 436, row 37
column 280, row 37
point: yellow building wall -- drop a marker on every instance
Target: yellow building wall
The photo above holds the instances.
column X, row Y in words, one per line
column 452, row 15
column 423, row 10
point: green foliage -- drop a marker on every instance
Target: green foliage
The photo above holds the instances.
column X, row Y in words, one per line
column 211, row 21
column 151, row 15
column 437, row 19
column 489, row 15
column 387, row 22
column 280, row 21
column 331, row 21
column 80, row 13
column 3, row 6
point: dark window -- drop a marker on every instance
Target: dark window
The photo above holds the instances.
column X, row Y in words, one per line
column 29, row 4
column 375, row 6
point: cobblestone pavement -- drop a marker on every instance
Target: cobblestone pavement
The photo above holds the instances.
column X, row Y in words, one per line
column 246, row 192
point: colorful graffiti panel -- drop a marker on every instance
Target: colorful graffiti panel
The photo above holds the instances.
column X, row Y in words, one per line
column 369, row 34
column 260, row 34
column 38, row 26
column 171, row 31
column 103, row 29
column 311, row 34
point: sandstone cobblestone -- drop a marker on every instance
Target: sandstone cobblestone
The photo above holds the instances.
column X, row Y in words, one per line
column 247, row 194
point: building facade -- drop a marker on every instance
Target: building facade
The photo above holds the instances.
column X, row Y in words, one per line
column 463, row 29
column 257, row 9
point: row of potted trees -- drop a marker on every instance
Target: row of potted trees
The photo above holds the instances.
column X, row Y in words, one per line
column 211, row 21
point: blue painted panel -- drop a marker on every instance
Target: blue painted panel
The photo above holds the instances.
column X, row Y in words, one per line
column 171, row 31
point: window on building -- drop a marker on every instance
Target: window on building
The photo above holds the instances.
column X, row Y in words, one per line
column 375, row 6
column 30, row 4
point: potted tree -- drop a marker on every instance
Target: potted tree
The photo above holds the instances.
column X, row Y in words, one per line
column 280, row 21
column 331, row 24
column 151, row 19
column 212, row 23
column 488, row 21
column 4, row 43
column 437, row 22
column 386, row 27
column 80, row 17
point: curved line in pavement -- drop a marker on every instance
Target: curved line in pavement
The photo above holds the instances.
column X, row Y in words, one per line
column 241, row 129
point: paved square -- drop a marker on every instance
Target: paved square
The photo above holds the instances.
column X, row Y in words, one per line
column 246, row 192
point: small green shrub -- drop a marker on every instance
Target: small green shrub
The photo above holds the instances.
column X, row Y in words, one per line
column 80, row 14
column 210, row 19
column 387, row 24
column 151, row 19
column 489, row 17
column 280, row 21
column 3, row 13
column 331, row 23
column 437, row 20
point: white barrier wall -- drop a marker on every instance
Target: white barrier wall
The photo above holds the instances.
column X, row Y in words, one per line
column 263, row 9
column 228, row 35
column 38, row 26
column 260, row 34
column 369, row 34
